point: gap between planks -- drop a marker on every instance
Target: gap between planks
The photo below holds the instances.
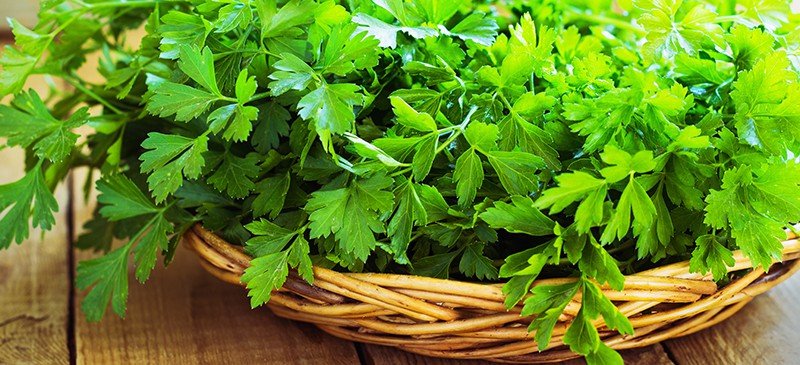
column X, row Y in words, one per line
column 71, row 235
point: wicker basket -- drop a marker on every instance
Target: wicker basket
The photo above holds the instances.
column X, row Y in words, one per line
column 460, row 320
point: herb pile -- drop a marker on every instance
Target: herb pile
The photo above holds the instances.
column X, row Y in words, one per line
column 478, row 141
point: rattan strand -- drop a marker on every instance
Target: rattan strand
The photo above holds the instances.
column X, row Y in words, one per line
column 453, row 319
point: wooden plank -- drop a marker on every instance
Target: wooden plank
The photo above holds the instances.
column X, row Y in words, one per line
column 24, row 11
column 34, row 286
column 34, row 277
column 763, row 332
column 382, row 355
column 183, row 315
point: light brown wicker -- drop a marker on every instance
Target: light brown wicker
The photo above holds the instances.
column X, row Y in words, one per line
column 453, row 319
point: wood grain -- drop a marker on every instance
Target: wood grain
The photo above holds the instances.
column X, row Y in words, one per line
column 766, row 331
column 382, row 355
column 182, row 315
column 34, row 286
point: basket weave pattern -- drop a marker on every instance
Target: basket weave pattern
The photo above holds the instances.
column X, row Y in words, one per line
column 453, row 319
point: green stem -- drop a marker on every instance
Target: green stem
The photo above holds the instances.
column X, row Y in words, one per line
column 727, row 18
column 76, row 84
column 259, row 96
column 124, row 4
column 605, row 20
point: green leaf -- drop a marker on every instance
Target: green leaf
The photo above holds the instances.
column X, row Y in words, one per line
column 547, row 303
column 182, row 101
column 519, row 217
column 21, row 200
column 516, row 170
column 633, row 199
column 292, row 14
column 16, row 66
column 347, row 50
column 409, row 212
column 31, row 124
column 581, row 336
column 474, row 264
column 331, row 107
column 755, row 207
column 517, row 132
column 597, row 263
column 435, row 266
column 749, row 46
column 771, row 14
column 186, row 102
column 624, row 164
column 235, row 175
column 677, row 27
column 767, row 106
column 153, row 239
column 171, row 158
column 386, row 33
column 18, row 63
column 528, row 53
column 370, row 151
column 271, row 126
column 271, row 195
column 604, row 355
column 199, row 66
column 436, row 208
column 425, row 155
column 571, row 188
column 590, row 212
column 595, row 303
column 476, row 27
column 299, row 259
column 108, row 277
column 179, row 29
column 711, row 255
column 527, row 263
column 351, row 213
column 234, row 15
column 268, row 238
column 237, row 129
column 482, row 136
column 516, row 288
column 292, row 74
column 468, row 176
column 265, row 274
column 407, row 116
column 436, row 11
column 120, row 199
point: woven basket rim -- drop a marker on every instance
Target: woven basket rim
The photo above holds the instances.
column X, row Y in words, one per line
column 468, row 320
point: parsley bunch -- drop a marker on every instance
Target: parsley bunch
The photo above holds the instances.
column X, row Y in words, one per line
column 472, row 140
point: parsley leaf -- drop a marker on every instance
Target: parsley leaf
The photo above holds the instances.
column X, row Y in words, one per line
column 30, row 124
column 331, row 107
column 521, row 217
column 21, row 199
column 170, row 159
column 108, row 278
column 351, row 213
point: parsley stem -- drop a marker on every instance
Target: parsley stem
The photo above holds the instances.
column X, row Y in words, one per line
column 505, row 102
column 605, row 20
column 727, row 18
column 260, row 96
column 76, row 84
column 457, row 130
column 124, row 4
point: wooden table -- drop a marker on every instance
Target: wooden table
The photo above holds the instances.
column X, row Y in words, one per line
column 185, row 316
